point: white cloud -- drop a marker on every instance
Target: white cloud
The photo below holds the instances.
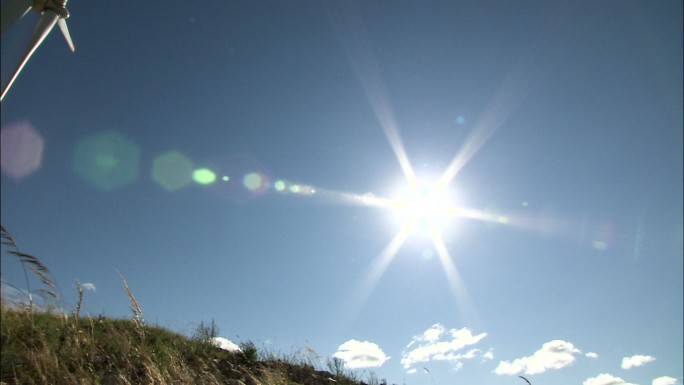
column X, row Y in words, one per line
column 605, row 379
column 360, row 354
column 433, row 333
column 489, row 355
column 664, row 380
column 554, row 354
column 89, row 286
column 635, row 360
column 591, row 355
column 225, row 344
column 439, row 344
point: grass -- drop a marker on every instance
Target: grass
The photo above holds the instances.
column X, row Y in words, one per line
column 48, row 348
column 28, row 262
column 42, row 346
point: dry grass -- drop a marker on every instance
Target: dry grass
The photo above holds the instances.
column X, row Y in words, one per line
column 30, row 262
column 77, row 312
column 44, row 348
column 137, row 312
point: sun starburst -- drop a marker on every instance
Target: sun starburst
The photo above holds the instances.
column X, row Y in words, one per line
column 424, row 208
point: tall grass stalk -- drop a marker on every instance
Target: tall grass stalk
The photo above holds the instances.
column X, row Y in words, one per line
column 30, row 262
column 137, row 312
column 80, row 299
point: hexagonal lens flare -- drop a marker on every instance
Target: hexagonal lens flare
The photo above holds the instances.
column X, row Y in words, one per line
column 22, row 150
column 172, row 170
column 107, row 160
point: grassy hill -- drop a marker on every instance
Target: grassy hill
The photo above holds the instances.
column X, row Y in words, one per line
column 47, row 348
column 43, row 346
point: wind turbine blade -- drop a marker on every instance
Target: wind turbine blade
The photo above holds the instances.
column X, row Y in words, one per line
column 13, row 10
column 45, row 25
column 65, row 31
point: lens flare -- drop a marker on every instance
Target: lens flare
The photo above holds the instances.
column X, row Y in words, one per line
column 279, row 186
column 254, row 182
column 603, row 236
column 107, row 160
column 172, row 171
column 204, row 176
column 238, row 178
column 22, row 150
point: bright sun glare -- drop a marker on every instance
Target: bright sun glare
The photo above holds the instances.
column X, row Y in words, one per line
column 423, row 209
column 419, row 208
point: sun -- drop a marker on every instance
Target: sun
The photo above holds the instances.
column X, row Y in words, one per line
column 423, row 208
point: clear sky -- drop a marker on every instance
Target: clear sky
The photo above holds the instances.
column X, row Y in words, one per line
column 480, row 189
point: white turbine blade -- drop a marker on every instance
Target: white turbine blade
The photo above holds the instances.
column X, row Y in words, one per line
column 65, row 31
column 13, row 10
column 45, row 25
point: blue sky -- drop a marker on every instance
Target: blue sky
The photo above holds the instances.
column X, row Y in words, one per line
column 480, row 189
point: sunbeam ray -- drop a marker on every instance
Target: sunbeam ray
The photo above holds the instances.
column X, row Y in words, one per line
column 422, row 207
column 466, row 308
column 534, row 64
column 351, row 31
column 366, row 285
column 506, row 100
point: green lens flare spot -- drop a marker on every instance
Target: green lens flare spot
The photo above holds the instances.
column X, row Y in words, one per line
column 172, row 170
column 107, row 160
column 204, row 176
column 279, row 185
column 225, row 178
column 253, row 181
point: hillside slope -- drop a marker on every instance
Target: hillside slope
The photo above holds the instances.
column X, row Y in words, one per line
column 44, row 348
